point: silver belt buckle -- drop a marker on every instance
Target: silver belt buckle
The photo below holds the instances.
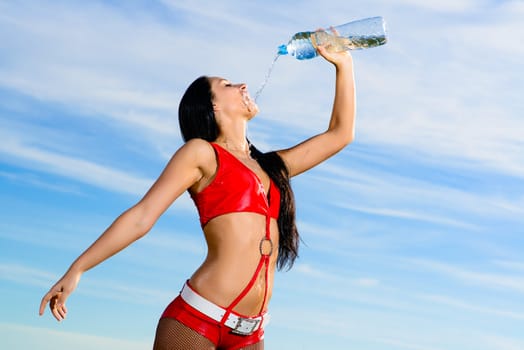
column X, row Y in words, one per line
column 245, row 326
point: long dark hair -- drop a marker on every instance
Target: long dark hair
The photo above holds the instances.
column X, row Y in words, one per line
column 197, row 120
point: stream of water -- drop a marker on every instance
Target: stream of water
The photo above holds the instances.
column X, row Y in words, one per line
column 266, row 79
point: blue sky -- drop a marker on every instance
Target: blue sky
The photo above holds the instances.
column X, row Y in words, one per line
column 413, row 235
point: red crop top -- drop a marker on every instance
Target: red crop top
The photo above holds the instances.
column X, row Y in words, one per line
column 235, row 188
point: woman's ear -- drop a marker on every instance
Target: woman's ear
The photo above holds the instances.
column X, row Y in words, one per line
column 215, row 108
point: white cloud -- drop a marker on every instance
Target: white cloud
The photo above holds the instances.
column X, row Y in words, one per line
column 500, row 342
column 113, row 290
column 406, row 196
column 28, row 151
column 410, row 215
column 451, row 6
column 108, row 70
column 130, row 69
column 464, row 305
column 74, row 168
column 402, row 343
column 345, row 285
column 20, row 336
column 517, row 266
column 498, row 281
column 25, row 275
column 31, row 179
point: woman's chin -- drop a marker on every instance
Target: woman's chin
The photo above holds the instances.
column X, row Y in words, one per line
column 253, row 112
column 252, row 109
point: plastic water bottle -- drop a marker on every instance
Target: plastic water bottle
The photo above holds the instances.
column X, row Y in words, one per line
column 361, row 34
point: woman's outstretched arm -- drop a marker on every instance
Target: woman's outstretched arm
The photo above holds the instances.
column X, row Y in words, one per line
column 341, row 129
column 183, row 170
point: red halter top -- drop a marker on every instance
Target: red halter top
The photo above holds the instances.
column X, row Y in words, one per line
column 235, row 188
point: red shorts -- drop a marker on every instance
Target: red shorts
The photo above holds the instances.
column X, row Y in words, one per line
column 217, row 333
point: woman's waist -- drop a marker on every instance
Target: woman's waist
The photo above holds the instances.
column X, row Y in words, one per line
column 234, row 248
column 223, row 286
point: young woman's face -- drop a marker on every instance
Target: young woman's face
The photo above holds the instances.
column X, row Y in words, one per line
column 232, row 98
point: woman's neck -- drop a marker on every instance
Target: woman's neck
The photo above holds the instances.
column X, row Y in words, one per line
column 237, row 145
column 233, row 137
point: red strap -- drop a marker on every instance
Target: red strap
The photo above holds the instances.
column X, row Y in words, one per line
column 264, row 260
column 244, row 292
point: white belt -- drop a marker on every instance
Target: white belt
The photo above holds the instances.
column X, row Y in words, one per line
column 238, row 324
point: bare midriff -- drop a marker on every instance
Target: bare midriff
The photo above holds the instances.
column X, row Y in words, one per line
column 234, row 253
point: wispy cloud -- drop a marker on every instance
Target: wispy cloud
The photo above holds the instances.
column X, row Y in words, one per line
column 326, row 277
column 464, row 305
column 103, row 71
column 33, row 180
column 21, row 336
column 402, row 343
column 25, row 274
column 139, row 81
column 386, row 193
column 443, row 6
column 410, row 215
column 499, row 281
column 494, row 341
column 74, row 168
column 113, row 290
column 511, row 265
column 20, row 150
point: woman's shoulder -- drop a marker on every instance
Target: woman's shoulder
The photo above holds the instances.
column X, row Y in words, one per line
column 202, row 155
column 200, row 151
column 197, row 146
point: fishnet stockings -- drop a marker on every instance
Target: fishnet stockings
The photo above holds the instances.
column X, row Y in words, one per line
column 173, row 335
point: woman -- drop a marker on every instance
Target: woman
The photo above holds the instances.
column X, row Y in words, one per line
column 246, row 211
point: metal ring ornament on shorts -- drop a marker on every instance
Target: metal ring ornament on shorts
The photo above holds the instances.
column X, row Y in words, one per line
column 261, row 246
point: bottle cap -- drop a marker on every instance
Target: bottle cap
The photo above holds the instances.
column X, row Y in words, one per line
column 282, row 49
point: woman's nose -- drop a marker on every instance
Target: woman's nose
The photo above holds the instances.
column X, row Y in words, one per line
column 243, row 86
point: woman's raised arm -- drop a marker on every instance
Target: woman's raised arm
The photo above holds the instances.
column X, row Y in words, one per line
column 341, row 129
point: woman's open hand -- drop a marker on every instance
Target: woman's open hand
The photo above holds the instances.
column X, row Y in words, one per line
column 58, row 294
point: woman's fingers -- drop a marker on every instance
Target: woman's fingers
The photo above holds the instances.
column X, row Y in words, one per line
column 336, row 58
column 56, row 299
column 334, row 31
column 60, row 312
column 46, row 299
column 57, row 306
